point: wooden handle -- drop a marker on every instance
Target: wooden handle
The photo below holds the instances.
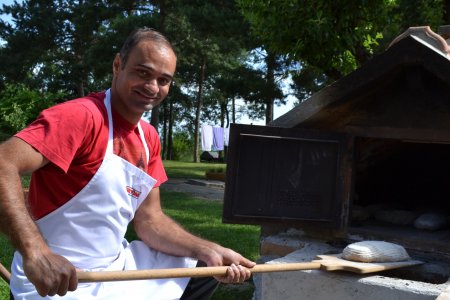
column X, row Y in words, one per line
column 4, row 273
column 104, row 276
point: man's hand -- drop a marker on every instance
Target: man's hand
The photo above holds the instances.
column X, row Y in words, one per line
column 51, row 274
column 217, row 255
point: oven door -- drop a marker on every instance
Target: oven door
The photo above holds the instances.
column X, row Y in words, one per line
column 284, row 175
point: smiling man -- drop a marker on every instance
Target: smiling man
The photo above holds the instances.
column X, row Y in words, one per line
column 95, row 168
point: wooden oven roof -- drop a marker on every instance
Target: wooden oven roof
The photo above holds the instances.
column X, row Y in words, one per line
column 406, row 87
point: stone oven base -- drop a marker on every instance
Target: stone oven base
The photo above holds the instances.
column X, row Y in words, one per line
column 318, row 284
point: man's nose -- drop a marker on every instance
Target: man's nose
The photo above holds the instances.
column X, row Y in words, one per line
column 153, row 85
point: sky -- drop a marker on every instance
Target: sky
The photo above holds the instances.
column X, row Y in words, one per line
column 278, row 110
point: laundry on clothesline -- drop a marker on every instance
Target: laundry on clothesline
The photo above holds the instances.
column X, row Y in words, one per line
column 226, row 136
column 207, row 137
column 214, row 138
column 218, row 139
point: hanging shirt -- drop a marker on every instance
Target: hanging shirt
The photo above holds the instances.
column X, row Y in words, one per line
column 207, row 137
column 226, row 136
column 217, row 139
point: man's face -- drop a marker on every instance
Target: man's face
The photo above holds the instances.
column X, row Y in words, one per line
column 144, row 81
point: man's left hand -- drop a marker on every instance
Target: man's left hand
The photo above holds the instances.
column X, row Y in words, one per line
column 238, row 270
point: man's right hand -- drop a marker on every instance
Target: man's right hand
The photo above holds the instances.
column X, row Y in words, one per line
column 51, row 274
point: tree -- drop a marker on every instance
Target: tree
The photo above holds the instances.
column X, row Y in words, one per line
column 209, row 36
column 328, row 39
column 332, row 35
column 47, row 44
column 60, row 45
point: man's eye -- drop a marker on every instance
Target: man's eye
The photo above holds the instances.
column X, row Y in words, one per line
column 142, row 73
column 163, row 81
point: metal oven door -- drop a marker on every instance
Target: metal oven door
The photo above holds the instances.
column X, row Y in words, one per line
column 284, row 175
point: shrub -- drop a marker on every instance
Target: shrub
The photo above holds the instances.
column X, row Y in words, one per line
column 20, row 105
column 182, row 146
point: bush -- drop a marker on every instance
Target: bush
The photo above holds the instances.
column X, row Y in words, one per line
column 20, row 105
column 182, row 147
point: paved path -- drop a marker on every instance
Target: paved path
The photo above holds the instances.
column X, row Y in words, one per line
column 206, row 189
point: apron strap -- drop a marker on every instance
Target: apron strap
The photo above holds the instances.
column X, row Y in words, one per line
column 110, row 147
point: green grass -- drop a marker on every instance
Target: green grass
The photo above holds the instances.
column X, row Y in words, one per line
column 4, row 290
column 204, row 218
column 6, row 253
column 178, row 169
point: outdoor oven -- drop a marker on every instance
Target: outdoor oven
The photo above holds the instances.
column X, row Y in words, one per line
column 367, row 157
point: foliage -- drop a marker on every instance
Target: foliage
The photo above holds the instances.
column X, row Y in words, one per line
column 19, row 105
column 68, row 46
column 326, row 40
column 210, row 40
column 46, row 44
column 325, row 34
column 182, row 145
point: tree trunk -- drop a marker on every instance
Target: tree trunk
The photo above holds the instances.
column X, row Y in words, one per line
column 164, row 133
column 223, row 112
column 201, row 78
column 270, row 79
column 162, row 23
column 80, row 89
column 233, row 110
column 170, row 134
column 227, row 116
column 154, row 120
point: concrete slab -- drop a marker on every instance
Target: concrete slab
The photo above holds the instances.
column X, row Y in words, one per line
column 205, row 189
column 318, row 284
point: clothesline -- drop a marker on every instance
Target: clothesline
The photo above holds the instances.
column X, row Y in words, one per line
column 214, row 138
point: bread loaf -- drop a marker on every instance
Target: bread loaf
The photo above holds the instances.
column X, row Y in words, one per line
column 375, row 251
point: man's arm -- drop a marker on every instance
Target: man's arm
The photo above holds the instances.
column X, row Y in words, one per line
column 161, row 233
column 50, row 273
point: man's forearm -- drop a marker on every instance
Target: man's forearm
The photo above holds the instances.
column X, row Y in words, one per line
column 165, row 235
column 15, row 220
column 18, row 158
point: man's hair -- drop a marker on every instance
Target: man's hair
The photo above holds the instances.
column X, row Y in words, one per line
column 139, row 35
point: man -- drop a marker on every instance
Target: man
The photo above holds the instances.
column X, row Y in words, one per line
column 96, row 167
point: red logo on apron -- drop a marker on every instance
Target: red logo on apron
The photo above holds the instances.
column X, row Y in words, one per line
column 133, row 192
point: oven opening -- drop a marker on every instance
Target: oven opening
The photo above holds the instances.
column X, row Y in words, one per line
column 402, row 194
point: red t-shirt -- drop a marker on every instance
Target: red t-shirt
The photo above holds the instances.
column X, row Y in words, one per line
column 73, row 136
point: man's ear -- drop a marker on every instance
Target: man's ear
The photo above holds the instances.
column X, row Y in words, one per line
column 116, row 64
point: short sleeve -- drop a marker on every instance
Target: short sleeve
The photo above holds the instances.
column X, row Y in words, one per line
column 59, row 132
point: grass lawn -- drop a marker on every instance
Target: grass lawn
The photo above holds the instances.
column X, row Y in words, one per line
column 6, row 253
column 201, row 217
column 179, row 169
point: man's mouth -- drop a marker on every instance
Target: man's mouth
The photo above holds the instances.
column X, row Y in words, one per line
column 148, row 96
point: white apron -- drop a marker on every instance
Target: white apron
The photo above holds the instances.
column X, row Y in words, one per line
column 89, row 231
